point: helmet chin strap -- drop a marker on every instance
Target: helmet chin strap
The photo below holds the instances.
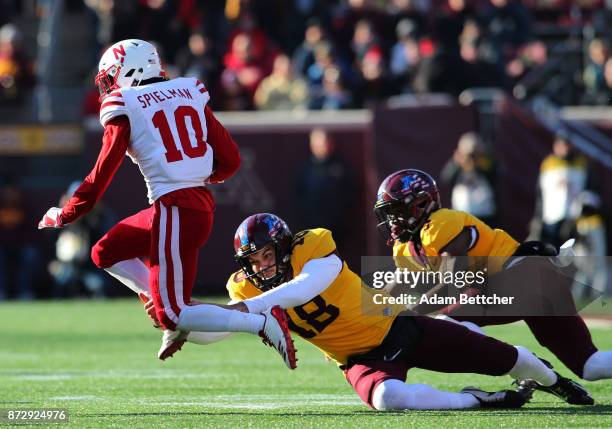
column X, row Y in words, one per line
column 415, row 235
column 406, row 236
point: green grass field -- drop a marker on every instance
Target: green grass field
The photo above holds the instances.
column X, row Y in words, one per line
column 98, row 360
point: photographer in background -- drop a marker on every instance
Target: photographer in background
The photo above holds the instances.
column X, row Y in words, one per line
column 589, row 230
column 471, row 173
column 564, row 174
column 72, row 269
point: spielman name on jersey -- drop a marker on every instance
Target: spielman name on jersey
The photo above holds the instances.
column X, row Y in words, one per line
column 163, row 94
column 407, row 299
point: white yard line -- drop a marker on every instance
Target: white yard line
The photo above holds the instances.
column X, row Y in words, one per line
column 74, row 398
column 257, row 402
column 140, row 375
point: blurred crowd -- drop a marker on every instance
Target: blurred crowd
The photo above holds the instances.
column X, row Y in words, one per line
column 318, row 54
column 16, row 69
column 336, row 54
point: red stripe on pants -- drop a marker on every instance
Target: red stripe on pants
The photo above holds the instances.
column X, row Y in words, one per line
column 191, row 233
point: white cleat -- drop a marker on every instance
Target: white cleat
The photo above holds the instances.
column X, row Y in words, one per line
column 172, row 341
column 275, row 333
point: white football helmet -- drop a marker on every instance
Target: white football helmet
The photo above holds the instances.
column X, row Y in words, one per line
column 127, row 63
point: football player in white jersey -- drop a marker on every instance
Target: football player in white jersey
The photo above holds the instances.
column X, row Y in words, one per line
column 167, row 129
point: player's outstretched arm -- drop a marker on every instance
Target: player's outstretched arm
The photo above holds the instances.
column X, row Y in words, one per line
column 114, row 145
column 316, row 276
column 201, row 338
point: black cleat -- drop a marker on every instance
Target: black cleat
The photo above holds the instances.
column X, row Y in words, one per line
column 501, row 399
column 566, row 389
column 526, row 387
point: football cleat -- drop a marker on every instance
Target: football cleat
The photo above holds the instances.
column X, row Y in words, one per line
column 172, row 342
column 566, row 389
column 500, row 399
column 275, row 333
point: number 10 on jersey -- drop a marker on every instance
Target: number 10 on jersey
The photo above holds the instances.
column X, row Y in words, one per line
column 181, row 113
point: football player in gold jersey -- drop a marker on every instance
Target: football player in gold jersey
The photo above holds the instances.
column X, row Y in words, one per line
column 410, row 214
column 304, row 274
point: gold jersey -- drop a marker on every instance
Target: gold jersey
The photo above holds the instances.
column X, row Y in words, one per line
column 333, row 321
column 442, row 227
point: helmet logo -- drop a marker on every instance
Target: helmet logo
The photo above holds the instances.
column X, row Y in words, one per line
column 119, row 51
column 413, row 182
column 244, row 238
column 273, row 225
column 407, row 182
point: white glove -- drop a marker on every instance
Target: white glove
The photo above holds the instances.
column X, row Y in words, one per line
column 51, row 219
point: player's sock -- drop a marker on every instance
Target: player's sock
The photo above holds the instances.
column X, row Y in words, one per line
column 397, row 395
column 211, row 318
column 528, row 366
column 133, row 273
column 203, row 338
column 598, row 366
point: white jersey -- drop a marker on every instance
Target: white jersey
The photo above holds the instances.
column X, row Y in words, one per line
column 168, row 132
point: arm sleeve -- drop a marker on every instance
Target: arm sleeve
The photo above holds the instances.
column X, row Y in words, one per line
column 226, row 154
column 316, row 276
column 204, row 338
column 113, row 106
column 114, row 145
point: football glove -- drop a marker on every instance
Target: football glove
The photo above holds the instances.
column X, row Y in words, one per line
column 51, row 219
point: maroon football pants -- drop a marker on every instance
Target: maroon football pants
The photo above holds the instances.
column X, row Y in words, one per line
column 535, row 280
column 443, row 347
column 567, row 337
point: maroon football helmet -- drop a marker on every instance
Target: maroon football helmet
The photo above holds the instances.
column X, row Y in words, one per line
column 404, row 202
column 253, row 234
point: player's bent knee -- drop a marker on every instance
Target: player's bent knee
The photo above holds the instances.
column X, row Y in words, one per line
column 471, row 326
column 392, row 395
column 98, row 256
